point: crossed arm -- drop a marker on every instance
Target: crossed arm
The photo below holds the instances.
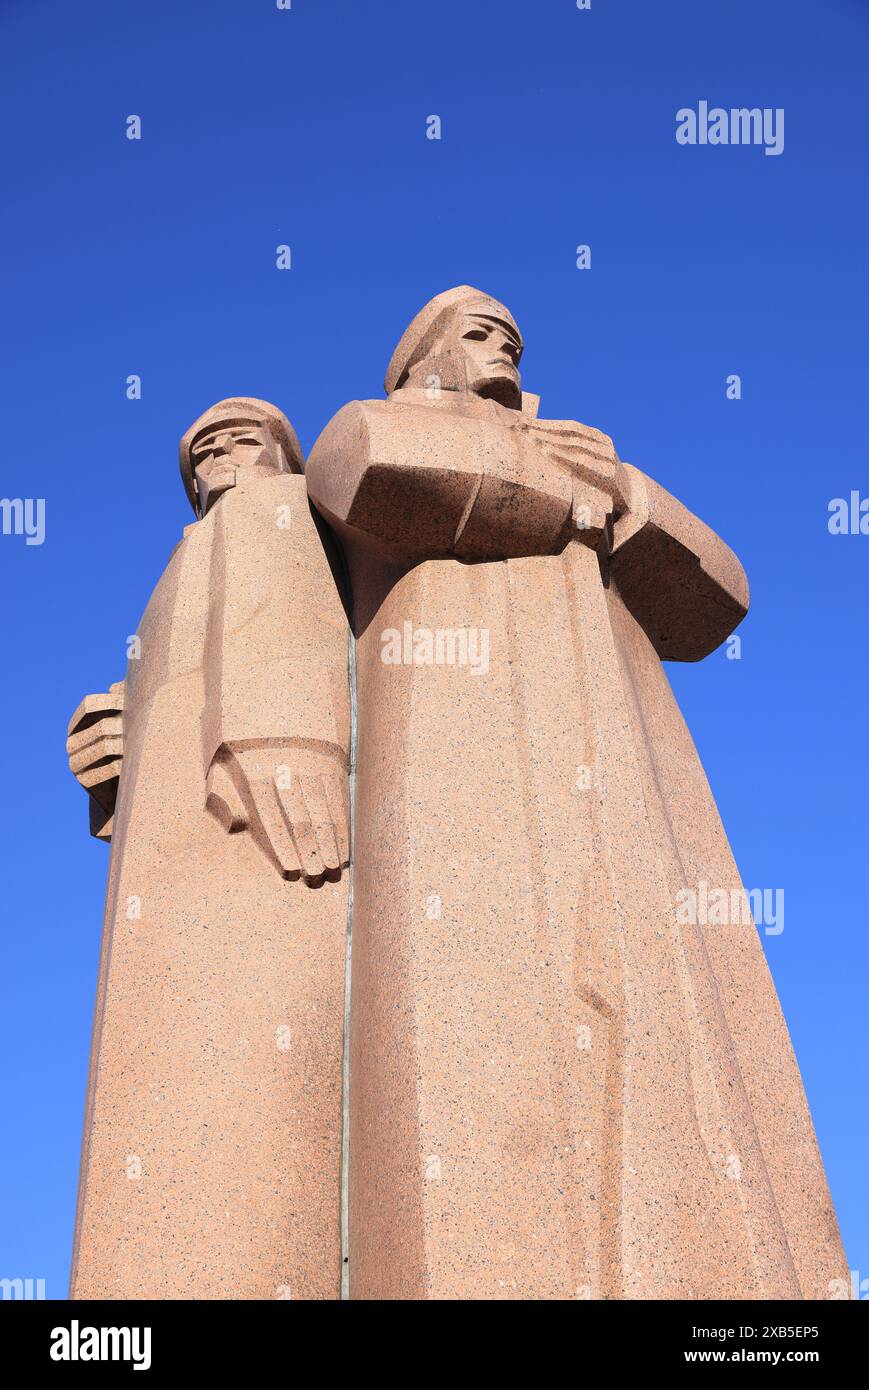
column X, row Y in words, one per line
column 411, row 481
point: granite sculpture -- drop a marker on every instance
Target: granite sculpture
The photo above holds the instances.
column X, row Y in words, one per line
column 558, row 1087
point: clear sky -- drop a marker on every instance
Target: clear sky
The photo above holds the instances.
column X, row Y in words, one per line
column 307, row 127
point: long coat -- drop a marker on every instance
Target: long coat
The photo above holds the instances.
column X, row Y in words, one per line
column 211, row 1160
column 557, row 1088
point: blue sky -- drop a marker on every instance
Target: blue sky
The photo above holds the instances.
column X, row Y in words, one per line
column 307, row 127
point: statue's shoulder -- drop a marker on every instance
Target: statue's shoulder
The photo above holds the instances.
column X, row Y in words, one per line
column 360, row 426
column 347, row 430
column 412, row 406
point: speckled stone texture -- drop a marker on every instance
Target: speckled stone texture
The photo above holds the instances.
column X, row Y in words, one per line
column 211, row 1159
column 557, row 1089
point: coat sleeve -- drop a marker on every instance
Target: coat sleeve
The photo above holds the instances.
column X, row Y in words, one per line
column 684, row 586
column 417, row 482
column 277, row 642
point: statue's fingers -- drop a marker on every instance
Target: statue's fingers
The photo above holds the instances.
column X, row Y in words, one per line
column 99, row 751
column 223, row 800
column 275, row 829
column 299, row 819
column 338, row 811
column 111, row 726
column 321, row 819
column 93, row 777
column 96, row 706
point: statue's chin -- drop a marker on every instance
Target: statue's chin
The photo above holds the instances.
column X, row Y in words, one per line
column 503, row 389
column 215, row 493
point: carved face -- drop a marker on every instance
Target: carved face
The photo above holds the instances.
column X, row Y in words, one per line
column 225, row 453
column 491, row 349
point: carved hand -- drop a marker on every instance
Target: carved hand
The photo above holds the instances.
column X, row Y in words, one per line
column 601, row 486
column 412, row 481
column 292, row 800
column 95, row 748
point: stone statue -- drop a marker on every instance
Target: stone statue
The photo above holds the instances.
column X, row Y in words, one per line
column 559, row 1087
column 211, row 1160
column 556, row 1089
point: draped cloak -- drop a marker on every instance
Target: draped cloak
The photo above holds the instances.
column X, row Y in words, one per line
column 557, row 1089
column 211, row 1159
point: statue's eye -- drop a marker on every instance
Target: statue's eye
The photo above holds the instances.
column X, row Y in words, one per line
column 479, row 335
column 253, row 442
